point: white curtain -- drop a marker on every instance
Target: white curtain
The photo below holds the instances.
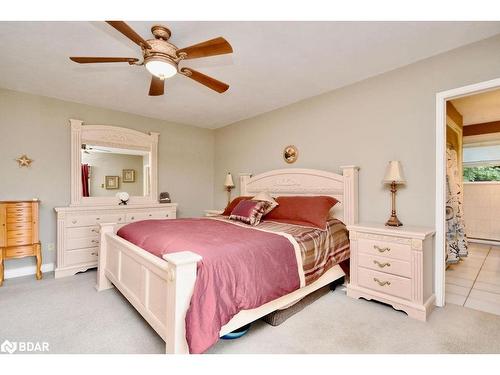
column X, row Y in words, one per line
column 456, row 239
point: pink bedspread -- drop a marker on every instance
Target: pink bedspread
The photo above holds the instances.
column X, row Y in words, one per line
column 242, row 268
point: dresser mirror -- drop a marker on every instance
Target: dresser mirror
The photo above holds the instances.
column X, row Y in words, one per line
column 106, row 160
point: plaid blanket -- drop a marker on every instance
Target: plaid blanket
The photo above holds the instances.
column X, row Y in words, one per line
column 319, row 249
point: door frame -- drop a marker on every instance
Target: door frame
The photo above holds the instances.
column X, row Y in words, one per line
column 440, row 213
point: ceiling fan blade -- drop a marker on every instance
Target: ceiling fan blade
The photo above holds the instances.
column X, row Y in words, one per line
column 90, row 60
column 157, row 86
column 129, row 33
column 210, row 82
column 212, row 47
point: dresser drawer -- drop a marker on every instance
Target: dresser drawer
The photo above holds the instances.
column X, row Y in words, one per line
column 19, row 226
column 81, row 256
column 12, row 211
column 80, row 243
column 385, row 283
column 21, row 251
column 150, row 215
column 87, row 220
column 19, row 205
column 19, row 233
column 19, row 218
column 383, row 264
column 83, row 232
column 19, row 241
column 384, row 248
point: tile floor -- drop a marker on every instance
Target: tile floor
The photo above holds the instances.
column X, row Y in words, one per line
column 475, row 281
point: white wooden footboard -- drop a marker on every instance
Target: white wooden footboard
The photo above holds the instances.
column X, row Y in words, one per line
column 161, row 291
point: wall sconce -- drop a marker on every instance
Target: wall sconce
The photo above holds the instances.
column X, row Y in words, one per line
column 229, row 185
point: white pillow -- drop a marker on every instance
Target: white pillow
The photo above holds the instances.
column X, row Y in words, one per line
column 266, row 197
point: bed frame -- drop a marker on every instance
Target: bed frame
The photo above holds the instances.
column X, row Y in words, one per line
column 161, row 289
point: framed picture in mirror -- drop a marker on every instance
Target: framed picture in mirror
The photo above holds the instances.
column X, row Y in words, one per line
column 128, row 175
column 112, row 182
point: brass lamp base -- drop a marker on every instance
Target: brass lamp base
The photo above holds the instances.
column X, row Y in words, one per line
column 393, row 221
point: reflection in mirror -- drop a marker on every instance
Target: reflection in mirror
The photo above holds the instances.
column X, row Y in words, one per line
column 108, row 170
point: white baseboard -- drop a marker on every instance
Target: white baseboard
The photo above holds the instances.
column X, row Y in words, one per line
column 28, row 270
column 486, row 242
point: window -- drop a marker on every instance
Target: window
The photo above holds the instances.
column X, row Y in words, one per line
column 481, row 163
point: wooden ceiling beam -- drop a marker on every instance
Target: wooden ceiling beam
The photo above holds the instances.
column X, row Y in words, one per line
column 484, row 128
column 453, row 113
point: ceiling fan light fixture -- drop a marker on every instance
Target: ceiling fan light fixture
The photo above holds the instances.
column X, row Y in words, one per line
column 161, row 68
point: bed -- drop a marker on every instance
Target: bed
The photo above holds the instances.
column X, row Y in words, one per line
column 161, row 289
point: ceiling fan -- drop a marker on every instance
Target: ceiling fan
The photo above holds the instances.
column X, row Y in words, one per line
column 86, row 148
column 161, row 58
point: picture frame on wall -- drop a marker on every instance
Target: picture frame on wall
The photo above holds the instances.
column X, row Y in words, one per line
column 112, row 182
column 128, row 175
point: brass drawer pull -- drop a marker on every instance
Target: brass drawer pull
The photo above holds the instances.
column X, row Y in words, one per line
column 133, row 217
column 381, row 249
column 95, row 253
column 95, row 241
column 382, row 265
column 381, row 283
column 95, row 230
column 74, row 221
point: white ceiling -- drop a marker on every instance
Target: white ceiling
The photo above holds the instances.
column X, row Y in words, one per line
column 274, row 63
column 479, row 108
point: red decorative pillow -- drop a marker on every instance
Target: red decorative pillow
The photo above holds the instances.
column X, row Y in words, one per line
column 249, row 212
column 230, row 207
column 313, row 211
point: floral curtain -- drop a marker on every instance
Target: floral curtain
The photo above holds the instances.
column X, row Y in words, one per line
column 456, row 239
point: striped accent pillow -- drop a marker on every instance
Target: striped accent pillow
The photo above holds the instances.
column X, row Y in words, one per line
column 249, row 212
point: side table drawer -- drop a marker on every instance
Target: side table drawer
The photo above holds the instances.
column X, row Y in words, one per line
column 386, row 249
column 386, row 265
column 385, row 283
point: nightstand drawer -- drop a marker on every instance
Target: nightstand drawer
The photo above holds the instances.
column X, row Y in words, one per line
column 383, row 264
column 385, row 283
column 385, row 248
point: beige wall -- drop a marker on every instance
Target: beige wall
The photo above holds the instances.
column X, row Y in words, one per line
column 481, row 208
column 391, row 116
column 39, row 127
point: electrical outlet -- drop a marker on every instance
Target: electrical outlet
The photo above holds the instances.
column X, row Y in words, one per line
column 51, row 247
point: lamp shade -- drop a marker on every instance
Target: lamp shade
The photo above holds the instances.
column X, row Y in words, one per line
column 394, row 173
column 229, row 181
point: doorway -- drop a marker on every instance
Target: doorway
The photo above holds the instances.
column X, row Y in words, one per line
column 481, row 251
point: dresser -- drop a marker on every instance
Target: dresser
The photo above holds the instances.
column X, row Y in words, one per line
column 393, row 265
column 19, row 233
column 78, row 231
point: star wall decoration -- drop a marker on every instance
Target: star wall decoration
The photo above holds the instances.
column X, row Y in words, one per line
column 24, row 161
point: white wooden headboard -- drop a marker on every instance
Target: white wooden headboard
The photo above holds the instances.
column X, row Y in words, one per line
column 291, row 181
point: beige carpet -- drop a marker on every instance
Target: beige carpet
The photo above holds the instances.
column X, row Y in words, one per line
column 70, row 315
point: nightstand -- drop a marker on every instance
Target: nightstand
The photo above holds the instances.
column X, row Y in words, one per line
column 393, row 265
column 209, row 213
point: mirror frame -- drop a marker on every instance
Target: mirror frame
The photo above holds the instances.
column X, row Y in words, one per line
column 111, row 136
